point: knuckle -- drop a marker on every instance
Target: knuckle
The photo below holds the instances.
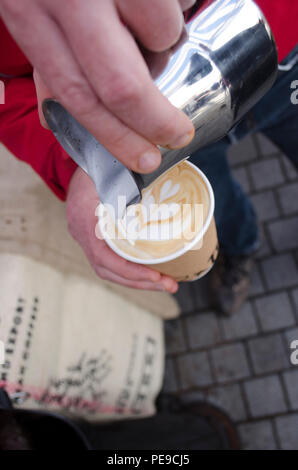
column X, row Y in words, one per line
column 70, row 212
column 186, row 4
column 97, row 253
column 69, row 219
column 122, row 91
column 96, row 259
column 72, row 222
column 118, row 141
column 166, row 130
column 12, row 9
column 165, row 38
column 172, row 36
column 72, row 230
column 101, row 273
column 77, row 95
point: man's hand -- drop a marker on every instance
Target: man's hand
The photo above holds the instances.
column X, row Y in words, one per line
column 86, row 56
column 82, row 201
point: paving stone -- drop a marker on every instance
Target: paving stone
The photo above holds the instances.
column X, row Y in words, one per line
column 266, row 174
column 280, row 271
column 170, row 384
column 291, row 381
column 287, row 429
column 265, row 206
column 174, row 336
column 291, row 335
column 268, row 354
column 264, row 251
column 240, row 325
column 184, row 297
column 257, row 436
column 199, row 291
column 194, row 370
column 291, row 171
column 193, row 397
column 229, row 399
column 288, row 196
column 265, row 396
column 243, row 151
column 284, row 234
column 256, row 286
column 295, row 299
column 266, row 146
column 265, row 248
column 241, row 175
column 275, row 311
column 226, row 397
column 203, row 330
column 230, row 363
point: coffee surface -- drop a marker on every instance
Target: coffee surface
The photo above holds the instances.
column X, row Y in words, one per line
column 172, row 211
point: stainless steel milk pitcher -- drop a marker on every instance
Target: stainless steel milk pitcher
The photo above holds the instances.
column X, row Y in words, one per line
column 225, row 66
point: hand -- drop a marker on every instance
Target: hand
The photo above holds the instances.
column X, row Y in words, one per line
column 86, row 56
column 82, row 201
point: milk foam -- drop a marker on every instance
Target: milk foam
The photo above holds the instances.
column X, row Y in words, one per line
column 172, row 211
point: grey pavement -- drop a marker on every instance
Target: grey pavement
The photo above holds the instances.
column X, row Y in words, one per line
column 242, row 364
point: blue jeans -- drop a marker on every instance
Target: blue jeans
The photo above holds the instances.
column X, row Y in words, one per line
column 277, row 118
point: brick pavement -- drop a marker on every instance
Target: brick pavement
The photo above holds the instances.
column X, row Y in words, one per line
column 242, row 363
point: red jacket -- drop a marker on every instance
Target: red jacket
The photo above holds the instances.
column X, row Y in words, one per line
column 20, row 130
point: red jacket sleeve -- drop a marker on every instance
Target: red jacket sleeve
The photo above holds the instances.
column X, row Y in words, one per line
column 22, row 133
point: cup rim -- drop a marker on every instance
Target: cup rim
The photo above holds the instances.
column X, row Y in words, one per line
column 182, row 251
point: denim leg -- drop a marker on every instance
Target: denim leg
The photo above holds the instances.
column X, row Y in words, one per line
column 277, row 117
column 234, row 214
column 284, row 135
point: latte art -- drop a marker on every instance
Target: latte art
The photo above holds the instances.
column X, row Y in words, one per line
column 171, row 213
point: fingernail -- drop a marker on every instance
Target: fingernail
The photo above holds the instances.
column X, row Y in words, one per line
column 183, row 140
column 149, row 161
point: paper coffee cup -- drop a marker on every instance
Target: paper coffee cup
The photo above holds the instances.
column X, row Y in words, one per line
column 196, row 258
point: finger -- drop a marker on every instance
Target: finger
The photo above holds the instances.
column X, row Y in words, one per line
column 62, row 75
column 143, row 285
column 170, row 285
column 107, row 258
column 82, row 202
column 157, row 24
column 42, row 93
column 186, row 4
column 118, row 74
column 156, row 62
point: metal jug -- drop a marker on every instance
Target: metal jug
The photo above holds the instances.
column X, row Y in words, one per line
column 225, row 66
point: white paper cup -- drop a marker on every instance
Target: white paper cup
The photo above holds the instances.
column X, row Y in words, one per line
column 192, row 261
